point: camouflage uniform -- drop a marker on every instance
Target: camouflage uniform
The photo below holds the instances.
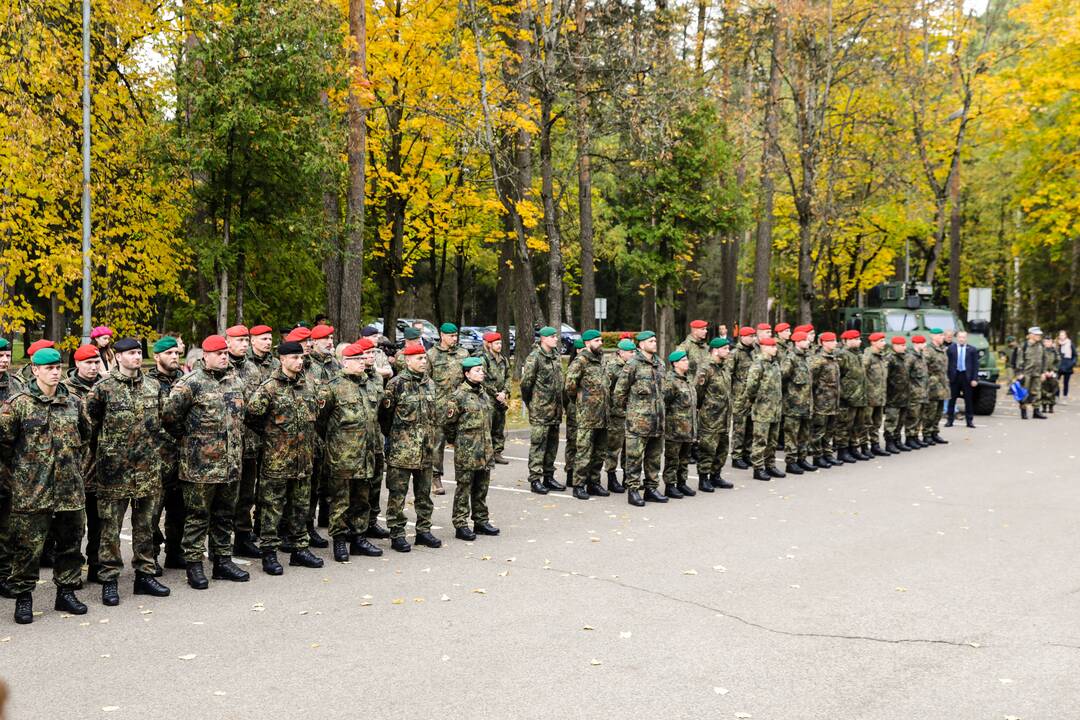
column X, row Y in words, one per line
column 937, row 365
column 587, row 386
column 853, row 404
column 825, row 378
column 570, row 448
column 714, row 415
column 171, row 500
column 680, row 426
column 79, row 387
column 124, row 418
column 9, row 386
column 43, row 441
column 321, row 368
column 283, row 411
column 445, row 369
column 919, row 377
column 1051, row 362
column 253, row 370
column 348, row 426
column 640, row 391
column 698, row 353
column 616, row 430
column 798, row 404
column 762, row 394
column 374, row 385
column 1031, row 363
column 467, row 424
column 897, row 395
column 408, row 419
column 497, row 380
column 742, row 357
column 876, row 369
column 542, row 391
column 205, row 412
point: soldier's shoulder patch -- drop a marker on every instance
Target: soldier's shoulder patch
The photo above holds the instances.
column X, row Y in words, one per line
column 451, row 412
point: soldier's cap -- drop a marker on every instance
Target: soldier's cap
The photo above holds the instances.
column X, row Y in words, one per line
column 626, row 344
column 826, row 336
column 369, row 330
column 414, row 350
column 289, row 347
column 320, row 332
column 936, row 331
column 874, row 337
column 1035, row 330
column 850, row 335
column 39, row 345
column 448, row 329
column 214, row 343
column 260, row 330
column 798, row 336
column 626, row 335
column 237, row 331
column 85, row 352
column 298, row 335
column 490, row 337
column 353, row 350
column 590, row 335
column 899, row 340
column 644, row 335
column 412, row 333
column 471, row 362
column 364, row 344
column 547, row 331
column 676, row 356
column 781, row 327
column 698, row 324
column 46, row 356
column 125, row 344
column 918, row 339
column 1010, row 338
column 764, row 326
column 718, row 342
column 746, row 331
column 164, row 343
column 579, row 344
column 100, row 330
column 5, row 346
column 768, row 342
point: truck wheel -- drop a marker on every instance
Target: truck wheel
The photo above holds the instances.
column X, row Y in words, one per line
column 985, row 399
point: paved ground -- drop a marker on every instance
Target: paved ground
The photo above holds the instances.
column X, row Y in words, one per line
column 937, row 584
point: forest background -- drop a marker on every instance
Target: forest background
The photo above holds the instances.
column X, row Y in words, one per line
column 507, row 161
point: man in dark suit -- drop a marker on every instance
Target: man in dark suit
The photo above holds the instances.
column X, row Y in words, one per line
column 963, row 377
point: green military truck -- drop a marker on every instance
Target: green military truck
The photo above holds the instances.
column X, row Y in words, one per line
column 894, row 309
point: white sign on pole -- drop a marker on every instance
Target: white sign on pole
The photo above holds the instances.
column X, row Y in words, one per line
column 600, row 309
column 979, row 302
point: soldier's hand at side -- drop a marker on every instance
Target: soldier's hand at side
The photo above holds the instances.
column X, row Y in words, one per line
column 974, row 383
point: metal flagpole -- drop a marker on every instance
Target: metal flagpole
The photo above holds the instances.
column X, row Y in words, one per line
column 86, row 174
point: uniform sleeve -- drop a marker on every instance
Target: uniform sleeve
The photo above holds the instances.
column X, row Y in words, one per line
column 93, row 411
column 258, row 405
column 450, row 421
column 9, row 431
column 176, row 409
column 528, row 377
column 753, row 381
column 573, row 376
column 388, row 405
column 622, row 385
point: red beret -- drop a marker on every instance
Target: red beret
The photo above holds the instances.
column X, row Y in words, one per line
column 874, row 337
column 781, row 327
column 353, row 350
column 237, row 331
column 764, row 326
column 260, row 330
column 767, row 341
column 85, row 352
column 626, row 335
column 827, row 336
column 417, row 349
column 321, row 331
column 364, row 344
column 899, row 340
column 850, row 335
column 698, row 324
column 39, row 345
column 746, row 331
column 298, row 335
column 214, row 343
column 918, row 339
column 490, row 337
column 798, row 336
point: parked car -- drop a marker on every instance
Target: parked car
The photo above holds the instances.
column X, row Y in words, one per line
column 429, row 334
column 471, row 337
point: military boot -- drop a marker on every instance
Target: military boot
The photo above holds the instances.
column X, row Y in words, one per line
column 1038, row 415
column 314, row 538
column 793, row 469
column 24, row 608
column 377, row 532
column 110, row 595
column 552, row 484
column 671, row 491
column 485, row 528
column 226, row 569
column 719, row 483
column 938, row 440
column 570, row 478
column 500, row 460
column 774, row 472
column 195, row 576
column 856, row 452
column 538, row 487
column 1023, row 413
column 704, row 483
column 244, row 546
column 762, row 474
column 686, row 490
column 360, row 546
column 633, row 497
column 464, row 533
column 613, row 483
column 819, row 462
column 270, row 563
column 341, row 549
column 304, row 558
column 595, row 488
column 651, row 495
column 740, row 464
column 890, row 447
column 831, row 459
column 580, row 493
column 875, row 449
column 845, row 456
column 428, row 540
column 149, row 585
column 67, row 602
column 807, row 465
column 400, row 544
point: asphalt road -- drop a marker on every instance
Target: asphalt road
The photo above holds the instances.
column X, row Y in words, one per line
column 941, row 583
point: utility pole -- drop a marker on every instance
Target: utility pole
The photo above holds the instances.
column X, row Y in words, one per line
column 86, row 173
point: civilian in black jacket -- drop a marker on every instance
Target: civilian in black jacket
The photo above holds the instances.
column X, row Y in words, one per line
column 963, row 377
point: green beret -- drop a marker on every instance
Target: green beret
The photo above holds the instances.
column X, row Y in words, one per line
column 644, row 335
column 46, row 356
column 471, row 362
column 718, row 342
column 935, row 331
column 166, row 343
column 590, row 335
column 627, row 345
column 412, row 333
column 579, row 344
column 448, row 329
column 676, row 356
column 547, row 331
column 4, row 345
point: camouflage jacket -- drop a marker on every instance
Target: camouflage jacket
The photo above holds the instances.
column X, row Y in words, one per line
column 919, row 377
column 613, row 366
column 43, row 442
column 347, row 423
column 407, row 416
column 763, row 390
column 467, row 424
column 680, row 408
column 698, row 353
column 825, row 378
column 168, row 446
column 640, row 391
column 898, row 383
column 322, row 367
column 876, row 369
column 283, row 411
column 496, row 374
column 374, row 384
column 852, row 378
column 1031, row 359
column 205, row 412
column 587, row 384
column 714, row 393
column 542, row 386
column 9, row 386
column 742, row 357
column 445, row 368
column 124, row 418
column 1051, row 359
column 250, row 376
column 795, row 376
column 937, row 364
column 266, row 364
column 76, row 385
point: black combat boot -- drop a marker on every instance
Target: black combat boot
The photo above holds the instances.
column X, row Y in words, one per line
column 633, row 497
column 807, row 465
column 686, row 490
column 595, row 488
column 464, row 533
column 570, row 478
column 341, row 549
column 740, row 464
column 651, row 495
column 110, row 595
column 762, row 474
column 377, row 532
column 485, row 528
column 704, row 484
column 270, row 563
column 613, row 483
column 360, row 546
column 1023, row 413
column 304, row 558
column 580, row 493
column 890, row 447
column 875, row 449
column 67, row 602
column 771, row 469
column 831, row 459
column 1038, row 415
column 938, row 440
column 793, row 469
column 149, row 585
column 719, row 482
column 857, row 453
column 244, row 546
column 400, row 544
column 670, row 491
column 538, row 487
column 24, row 608
column 195, row 576
column 428, row 540
column 226, row 569
column 315, row 539
column 552, row 484
column 819, row 462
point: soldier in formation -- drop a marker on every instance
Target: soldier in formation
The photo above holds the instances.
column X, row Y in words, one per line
column 542, row 392
column 467, row 425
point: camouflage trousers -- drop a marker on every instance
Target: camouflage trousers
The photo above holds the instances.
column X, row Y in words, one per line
column 350, row 506
column 590, row 451
column 397, row 487
column 28, row 531
column 742, row 434
column 913, row 420
column 375, row 490
column 320, row 477
column 713, row 444
column 112, row 514
column 763, row 450
column 247, row 496
column 614, row 453
column 643, row 454
column 570, row 449
column 438, row 461
column 1034, row 388
column 676, row 461
column 5, row 532
column 1049, row 391
column 822, row 432
column 875, row 415
column 543, row 448
column 92, row 531
column 796, row 438
column 208, row 511
column 895, row 422
column 470, row 494
column 498, row 428
column 851, row 422
column 931, row 417
column 283, row 512
column 171, row 503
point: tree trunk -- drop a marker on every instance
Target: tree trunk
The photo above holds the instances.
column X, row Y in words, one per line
column 763, row 243
column 332, row 259
column 223, row 275
column 954, row 242
column 551, row 225
column 806, row 268
column 352, row 272
column 241, row 284
column 585, row 215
